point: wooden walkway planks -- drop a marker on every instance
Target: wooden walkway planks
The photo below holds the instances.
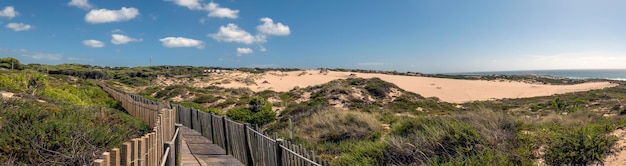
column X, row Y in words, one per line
column 198, row 150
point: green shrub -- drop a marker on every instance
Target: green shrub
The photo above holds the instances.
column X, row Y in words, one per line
column 361, row 153
column 10, row 63
column 207, row 99
column 378, row 88
column 60, row 134
column 455, row 139
column 149, row 91
column 258, row 112
column 172, row 91
column 580, row 146
column 240, row 113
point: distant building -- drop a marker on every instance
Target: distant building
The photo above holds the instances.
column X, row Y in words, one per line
column 216, row 70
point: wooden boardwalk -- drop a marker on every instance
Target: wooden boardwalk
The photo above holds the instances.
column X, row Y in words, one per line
column 198, row 150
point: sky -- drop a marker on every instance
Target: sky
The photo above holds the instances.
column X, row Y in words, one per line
column 443, row 36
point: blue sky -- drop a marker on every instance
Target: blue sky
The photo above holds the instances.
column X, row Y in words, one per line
column 403, row 35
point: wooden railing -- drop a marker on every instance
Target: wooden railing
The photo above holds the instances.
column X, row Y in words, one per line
column 158, row 147
column 245, row 142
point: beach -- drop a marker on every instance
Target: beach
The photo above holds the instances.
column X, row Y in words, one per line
column 448, row 90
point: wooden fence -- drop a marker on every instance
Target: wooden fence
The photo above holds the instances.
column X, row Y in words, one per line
column 158, row 147
column 245, row 142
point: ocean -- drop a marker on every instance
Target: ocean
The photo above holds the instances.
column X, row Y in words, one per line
column 611, row 74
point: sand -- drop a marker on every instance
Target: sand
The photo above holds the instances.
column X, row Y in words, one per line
column 6, row 94
column 618, row 158
column 448, row 90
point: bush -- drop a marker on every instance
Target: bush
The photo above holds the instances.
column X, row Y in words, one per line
column 580, row 146
column 378, row 88
column 361, row 153
column 172, row 91
column 258, row 112
column 206, row 99
column 60, row 134
column 338, row 126
column 457, row 139
column 10, row 63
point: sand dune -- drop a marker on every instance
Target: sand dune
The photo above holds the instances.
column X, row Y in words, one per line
column 449, row 90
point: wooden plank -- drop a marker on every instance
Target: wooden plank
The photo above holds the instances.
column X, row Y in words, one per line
column 135, row 153
column 126, row 154
column 141, row 152
column 115, row 157
column 98, row 162
column 106, row 157
column 150, row 145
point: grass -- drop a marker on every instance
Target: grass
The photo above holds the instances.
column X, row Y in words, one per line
column 338, row 126
column 59, row 121
column 428, row 131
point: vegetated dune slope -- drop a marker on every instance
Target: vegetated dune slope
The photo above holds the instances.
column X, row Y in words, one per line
column 448, row 90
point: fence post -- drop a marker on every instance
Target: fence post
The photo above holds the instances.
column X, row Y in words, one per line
column 190, row 118
column 171, row 156
column 279, row 152
column 126, row 153
column 107, row 158
column 290, row 129
column 225, row 135
column 247, row 144
column 211, row 122
column 201, row 120
column 98, row 162
column 178, row 142
column 115, row 157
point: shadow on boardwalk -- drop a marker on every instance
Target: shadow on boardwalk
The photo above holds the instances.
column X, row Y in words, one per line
column 198, row 150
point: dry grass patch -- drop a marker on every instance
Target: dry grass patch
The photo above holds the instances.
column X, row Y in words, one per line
column 338, row 125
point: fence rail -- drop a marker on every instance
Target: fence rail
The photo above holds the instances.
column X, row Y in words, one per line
column 149, row 149
column 242, row 141
column 245, row 142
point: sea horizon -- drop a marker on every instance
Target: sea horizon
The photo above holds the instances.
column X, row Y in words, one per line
column 609, row 74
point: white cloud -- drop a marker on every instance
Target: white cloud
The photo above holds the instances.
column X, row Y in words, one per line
column 97, row 16
column 93, row 43
column 122, row 39
column 8, row 12
column 171, row 42
column 19, row 26
column 117, row 31
column 232, row 33
column 213, row 8
column 191, row 4
column 216, row 11
column 83, row 4
column 268, row 27
column 243, row 51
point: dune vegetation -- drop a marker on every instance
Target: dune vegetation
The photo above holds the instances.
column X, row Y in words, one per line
column 356, row 121
column 49, row 119
column 359, row 121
